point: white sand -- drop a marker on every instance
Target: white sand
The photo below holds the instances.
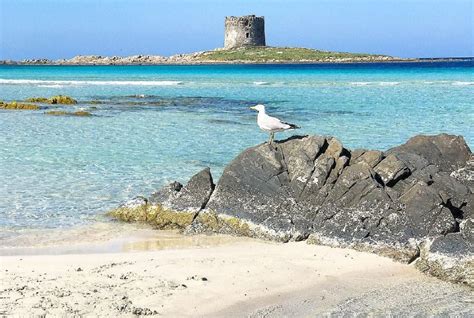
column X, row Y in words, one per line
column 235, row 278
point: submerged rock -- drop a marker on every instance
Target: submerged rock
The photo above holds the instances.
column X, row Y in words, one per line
column 79, row 113
column 18, row 106
column 411, row 203
column 59, row 99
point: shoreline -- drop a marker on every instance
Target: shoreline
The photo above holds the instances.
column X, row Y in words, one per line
column 252, row 278
column 218, row 63
column 106, row 238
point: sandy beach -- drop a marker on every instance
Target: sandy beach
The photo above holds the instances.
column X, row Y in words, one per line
column 220, row 276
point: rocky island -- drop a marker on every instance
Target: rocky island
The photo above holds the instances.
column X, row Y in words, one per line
column 413, row 203
column 244, row 43
column 242, row 55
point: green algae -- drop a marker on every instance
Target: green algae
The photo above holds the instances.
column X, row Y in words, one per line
column 54, row 100
column 38, row 100
column 155, row 215
column 18, row 106
column 127, row 214
column 211, row 221
column 166, row 219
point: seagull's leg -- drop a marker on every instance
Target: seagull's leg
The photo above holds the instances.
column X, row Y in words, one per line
column 270, row 141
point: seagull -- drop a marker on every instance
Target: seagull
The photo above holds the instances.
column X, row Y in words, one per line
column 271, row 124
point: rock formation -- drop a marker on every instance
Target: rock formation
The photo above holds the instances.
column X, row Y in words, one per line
column 413, row 202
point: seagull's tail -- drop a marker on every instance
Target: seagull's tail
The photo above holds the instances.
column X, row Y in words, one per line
column 293, row 126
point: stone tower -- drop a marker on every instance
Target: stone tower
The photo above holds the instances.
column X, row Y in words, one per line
column 248, row 30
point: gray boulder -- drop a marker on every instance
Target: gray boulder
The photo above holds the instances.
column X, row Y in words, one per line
column 448, row 152
column 191, row 198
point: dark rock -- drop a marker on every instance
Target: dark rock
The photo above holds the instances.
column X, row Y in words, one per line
column 391, row 169
column 414, row 200
column 465, row 174
column 426, row 213
column 371, row 157
column 195, row 194
column 166, row 194
column 192, row 197
column 448, row 152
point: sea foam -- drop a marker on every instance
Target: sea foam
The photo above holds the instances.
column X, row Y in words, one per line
column 373, row 83
column 458, row 83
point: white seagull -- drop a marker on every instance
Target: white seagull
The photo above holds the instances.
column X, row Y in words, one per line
column 271, row 124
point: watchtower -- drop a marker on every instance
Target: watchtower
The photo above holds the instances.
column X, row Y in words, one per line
column 248, row 30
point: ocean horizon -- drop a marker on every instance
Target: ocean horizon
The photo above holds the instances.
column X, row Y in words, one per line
column 155, row 124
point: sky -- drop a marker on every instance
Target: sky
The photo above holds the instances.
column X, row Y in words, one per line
column 65, row 28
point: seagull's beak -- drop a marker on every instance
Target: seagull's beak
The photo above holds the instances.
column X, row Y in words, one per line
column 253, row 107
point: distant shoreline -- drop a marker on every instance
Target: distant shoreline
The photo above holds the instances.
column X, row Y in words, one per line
column 208, row 63
column 262, row 55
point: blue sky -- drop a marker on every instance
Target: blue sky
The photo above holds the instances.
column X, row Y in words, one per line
column 64, row 28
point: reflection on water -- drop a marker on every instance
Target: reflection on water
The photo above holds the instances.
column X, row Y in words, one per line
column 105, row 238
column 173, row 240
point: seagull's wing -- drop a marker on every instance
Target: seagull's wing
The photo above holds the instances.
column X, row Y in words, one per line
column 273, row 123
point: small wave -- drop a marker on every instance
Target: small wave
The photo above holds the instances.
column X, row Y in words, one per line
column 52, row 86
column 103, row 83
column 388, row 83
column 359, row 83
column 374, row 83
column 261, row 83
column 462, row 83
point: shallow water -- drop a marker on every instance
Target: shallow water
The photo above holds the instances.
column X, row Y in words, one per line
column 155, row 124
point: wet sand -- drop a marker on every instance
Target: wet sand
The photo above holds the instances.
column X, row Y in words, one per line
column 220, row 276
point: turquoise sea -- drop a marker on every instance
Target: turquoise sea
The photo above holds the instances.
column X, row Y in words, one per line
column 155, row 124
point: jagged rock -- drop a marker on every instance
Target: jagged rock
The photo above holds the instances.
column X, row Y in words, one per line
column 415, row 199
column 191, row 198
column 465, row 174
column 448, row 152
column 194, row 195
column 371, row 157
column 391, row 169
column 255, row 187
column 424, row 208
column 166, row 194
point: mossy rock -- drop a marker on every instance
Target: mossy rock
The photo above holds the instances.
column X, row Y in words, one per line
column 462, row 272
column 19, row 106
column 38, row 100
column 209, row 221
column 168, row 219
column 59, row 99
column 130, row 214
column 79, row 113
column 155, row 215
